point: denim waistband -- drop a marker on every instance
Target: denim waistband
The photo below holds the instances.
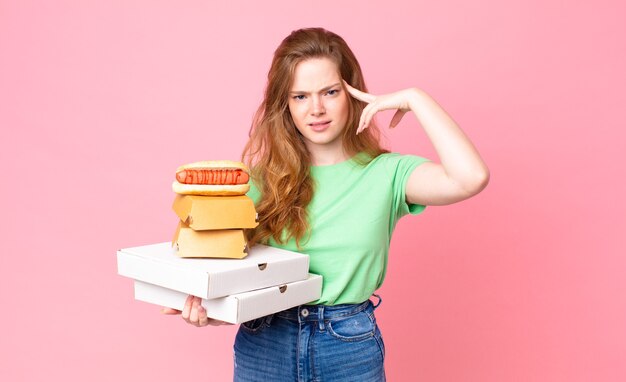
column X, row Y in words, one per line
column 324, row 312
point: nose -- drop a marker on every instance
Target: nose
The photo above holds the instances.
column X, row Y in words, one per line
column 317, row 106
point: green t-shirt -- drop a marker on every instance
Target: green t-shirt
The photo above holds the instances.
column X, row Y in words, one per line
column 353, row 213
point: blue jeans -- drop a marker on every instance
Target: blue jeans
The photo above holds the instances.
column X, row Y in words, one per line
column 311, row 343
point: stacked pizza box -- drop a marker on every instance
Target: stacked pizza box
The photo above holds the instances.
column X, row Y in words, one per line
column 266, row 281
column 209, row 258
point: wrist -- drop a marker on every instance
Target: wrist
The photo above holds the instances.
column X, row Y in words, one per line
column 417, row 99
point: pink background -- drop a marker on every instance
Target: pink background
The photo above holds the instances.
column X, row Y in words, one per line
column 100, row 102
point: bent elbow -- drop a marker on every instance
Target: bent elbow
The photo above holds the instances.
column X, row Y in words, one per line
column 479, row 181
column 484, row 179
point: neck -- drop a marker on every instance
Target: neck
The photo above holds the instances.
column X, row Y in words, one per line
column 325, row 156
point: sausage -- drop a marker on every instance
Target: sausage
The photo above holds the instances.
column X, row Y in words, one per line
column 220, row 176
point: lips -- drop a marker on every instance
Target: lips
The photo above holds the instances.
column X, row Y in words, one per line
column 319, row 126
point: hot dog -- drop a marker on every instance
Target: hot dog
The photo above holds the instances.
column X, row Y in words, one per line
column 212, row 178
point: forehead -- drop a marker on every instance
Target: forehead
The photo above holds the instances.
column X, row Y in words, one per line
column 314, row 74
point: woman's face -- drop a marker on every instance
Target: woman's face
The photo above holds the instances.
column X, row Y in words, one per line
column 318, row 104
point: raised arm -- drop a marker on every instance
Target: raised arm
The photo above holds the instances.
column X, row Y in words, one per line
column 461, row 174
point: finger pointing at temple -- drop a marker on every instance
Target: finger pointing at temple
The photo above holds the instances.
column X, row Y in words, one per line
column 361, row 96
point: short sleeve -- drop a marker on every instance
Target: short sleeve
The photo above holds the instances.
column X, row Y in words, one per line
column 402, row 167
column 254, row 193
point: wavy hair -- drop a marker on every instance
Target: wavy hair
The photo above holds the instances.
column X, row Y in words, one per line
column 276, row 152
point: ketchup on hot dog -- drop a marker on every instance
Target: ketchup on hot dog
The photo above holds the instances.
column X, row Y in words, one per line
column 212, row 176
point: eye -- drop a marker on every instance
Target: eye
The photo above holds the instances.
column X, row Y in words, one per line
column 298, row 97
column 332, row 92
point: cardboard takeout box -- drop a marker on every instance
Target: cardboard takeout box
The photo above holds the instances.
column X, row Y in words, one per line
column 215, row 212
column 240, row 307
column 226, row 243
column 265, row 266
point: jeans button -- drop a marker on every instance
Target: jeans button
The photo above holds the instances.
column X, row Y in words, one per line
column 304, row 312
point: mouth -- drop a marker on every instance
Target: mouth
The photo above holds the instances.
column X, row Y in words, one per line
column 319, row 126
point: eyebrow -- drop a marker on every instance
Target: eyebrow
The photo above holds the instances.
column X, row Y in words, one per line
column 320, row 91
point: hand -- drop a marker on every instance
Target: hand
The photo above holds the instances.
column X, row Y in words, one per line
column 194, row 313
column 399, row 101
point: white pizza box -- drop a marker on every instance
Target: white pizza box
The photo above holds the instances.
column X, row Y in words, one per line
column 265, row 266
column 241, row 307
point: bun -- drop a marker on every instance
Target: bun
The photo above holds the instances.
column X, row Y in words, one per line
column 210, row 189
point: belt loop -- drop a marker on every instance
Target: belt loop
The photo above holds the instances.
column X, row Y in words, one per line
column 320, row 316
column 268, row 319
column 379, row 300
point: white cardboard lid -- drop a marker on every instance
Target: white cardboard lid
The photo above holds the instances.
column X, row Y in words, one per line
column 210, row 278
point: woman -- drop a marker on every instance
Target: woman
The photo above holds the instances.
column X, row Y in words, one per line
column 323, row 185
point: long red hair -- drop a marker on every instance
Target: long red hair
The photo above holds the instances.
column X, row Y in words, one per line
column 276, row 153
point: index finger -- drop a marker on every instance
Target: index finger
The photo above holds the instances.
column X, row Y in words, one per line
column 187, row 309
column 361, row 96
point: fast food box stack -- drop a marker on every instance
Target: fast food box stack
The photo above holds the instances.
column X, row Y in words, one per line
column 213, row 209
column 214, row 214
